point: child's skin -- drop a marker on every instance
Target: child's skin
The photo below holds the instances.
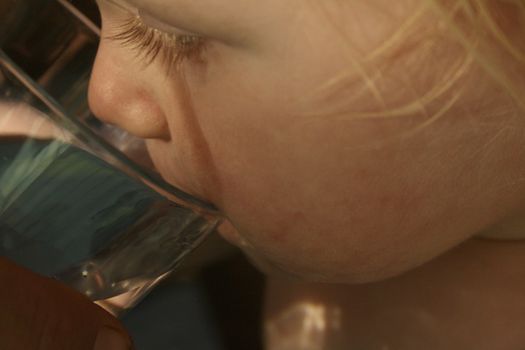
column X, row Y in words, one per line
column 310, row 182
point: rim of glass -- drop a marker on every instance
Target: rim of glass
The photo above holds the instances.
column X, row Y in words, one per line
column 90, row 138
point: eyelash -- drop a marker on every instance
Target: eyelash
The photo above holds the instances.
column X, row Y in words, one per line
column 152, row 43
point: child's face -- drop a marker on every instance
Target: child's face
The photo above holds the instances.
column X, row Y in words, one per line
column 313, row 183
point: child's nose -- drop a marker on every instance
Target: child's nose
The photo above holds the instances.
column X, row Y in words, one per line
column 118, row 95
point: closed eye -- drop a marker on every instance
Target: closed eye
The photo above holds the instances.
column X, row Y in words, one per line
column 151, row 43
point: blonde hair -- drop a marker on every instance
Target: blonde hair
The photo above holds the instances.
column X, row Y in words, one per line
column 488, row 37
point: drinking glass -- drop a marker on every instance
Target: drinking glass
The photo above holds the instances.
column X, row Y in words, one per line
column 75, row 202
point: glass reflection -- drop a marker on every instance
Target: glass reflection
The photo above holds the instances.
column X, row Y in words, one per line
column 303, row 326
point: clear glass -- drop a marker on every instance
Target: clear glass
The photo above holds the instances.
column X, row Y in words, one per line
column 74, row 203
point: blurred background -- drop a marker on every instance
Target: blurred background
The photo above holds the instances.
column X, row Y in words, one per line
column 214, row 300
